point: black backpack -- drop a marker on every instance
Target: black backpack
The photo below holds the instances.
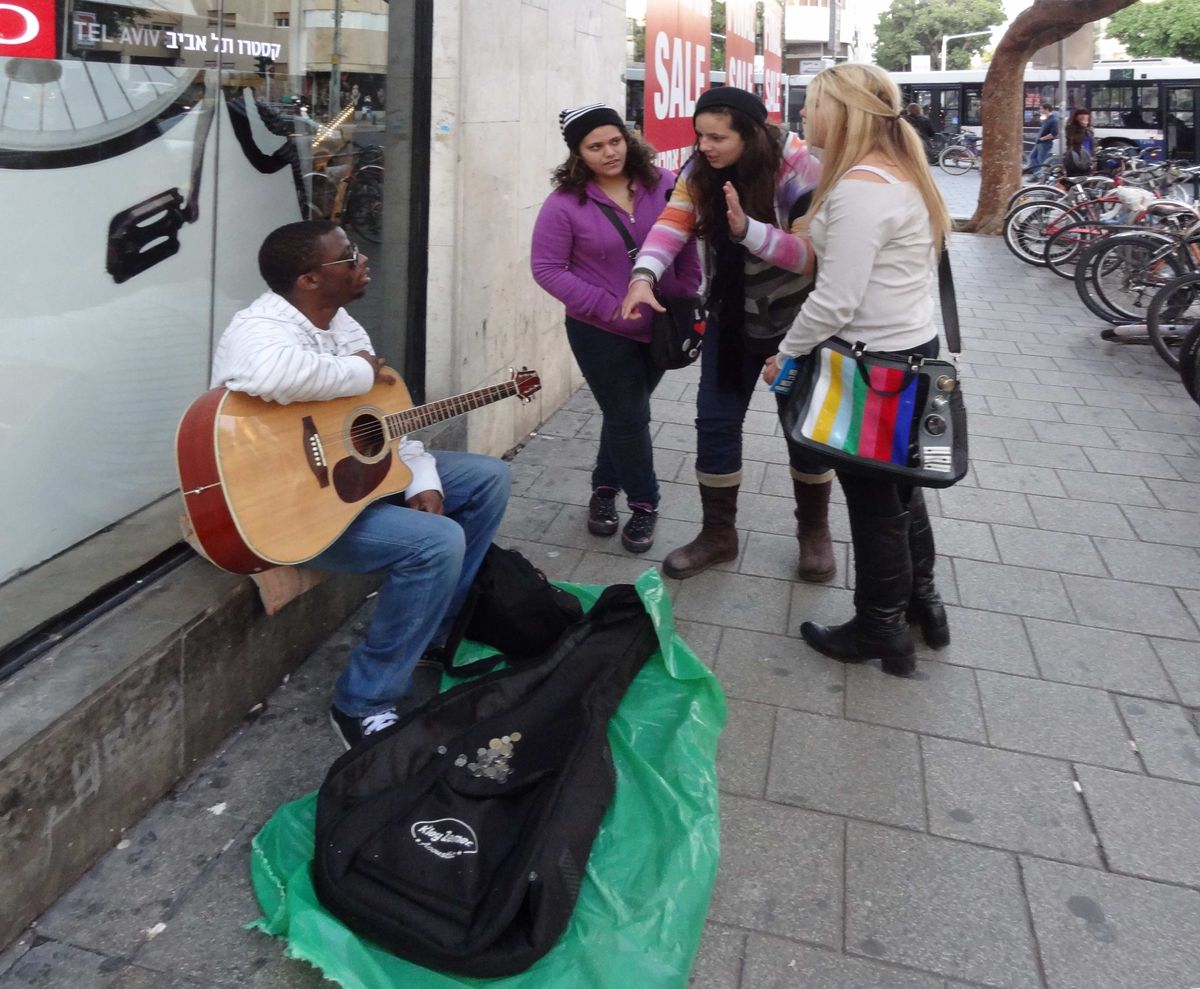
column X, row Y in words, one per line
column 458, row 837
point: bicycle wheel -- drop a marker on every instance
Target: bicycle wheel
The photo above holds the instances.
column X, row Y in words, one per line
column 1189, row 363
column 1174, row 309
column 1124, row 275
column 956, row 160
column 1028, row 193
column 1066, row 244
column 1025, row 230
column 365, row 211
column 320, row 192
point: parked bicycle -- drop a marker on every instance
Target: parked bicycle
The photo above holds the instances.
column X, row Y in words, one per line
column 347, row 188
column 960, row 157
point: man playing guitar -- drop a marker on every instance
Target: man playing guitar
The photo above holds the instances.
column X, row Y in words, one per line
column 295, row 343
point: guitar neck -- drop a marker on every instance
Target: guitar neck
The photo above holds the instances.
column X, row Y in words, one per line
column 399, row 423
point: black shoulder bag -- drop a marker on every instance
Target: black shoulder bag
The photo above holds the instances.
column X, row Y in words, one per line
column 676, row 335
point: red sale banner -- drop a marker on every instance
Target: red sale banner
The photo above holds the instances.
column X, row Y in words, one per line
column 27, row 28
column 739, row 44
column 677, row 63
column 772, row 93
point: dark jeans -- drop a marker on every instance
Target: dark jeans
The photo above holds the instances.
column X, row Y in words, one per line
column 622, row 377
column 721, row 410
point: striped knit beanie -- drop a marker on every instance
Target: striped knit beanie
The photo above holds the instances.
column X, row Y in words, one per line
column 578, row 123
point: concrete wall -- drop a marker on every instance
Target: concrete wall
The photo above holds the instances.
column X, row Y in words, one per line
column 502, row 71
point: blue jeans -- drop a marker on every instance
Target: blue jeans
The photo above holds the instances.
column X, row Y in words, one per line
column 721, row 410
column 429, row 563
column 621, row 375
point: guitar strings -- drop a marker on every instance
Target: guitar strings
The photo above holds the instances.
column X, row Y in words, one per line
column 375, row 426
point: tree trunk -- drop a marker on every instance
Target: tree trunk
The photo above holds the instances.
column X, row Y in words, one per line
column 1045, row 23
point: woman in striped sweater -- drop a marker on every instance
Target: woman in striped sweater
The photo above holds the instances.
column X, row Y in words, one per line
column 739, row 155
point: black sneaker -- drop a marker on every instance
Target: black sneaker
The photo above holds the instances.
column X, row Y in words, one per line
column 350, row 730
column 602, row 512
column 638, row 535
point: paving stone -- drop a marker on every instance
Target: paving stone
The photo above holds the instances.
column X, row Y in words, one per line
column 1061, row 551
column 139, row 882
column 1132, row 607
column 719, row 960
column 939, row 700
column 1070, row 433
column 136, row 977
column 560, row 451
column 1161, row 422
column 1054, row 719
column 1182, row 662
column 1149, row 827
column 606, row 568
column 1166, row 738
column 1109, row 399
column 51, row 965
column 983, row 424
column 1164, row 443
column 818, row 603
column 1013, row 590
column 1191, row 601
column 774, row 669
column 1133, row 464
column 773, row 963
column 848, row 768
column 768, row 555
column 1157, row 525
column 958, row 537
column 1042, row 454
column 1089, row 518
column 565, row 484
column 1151, row 563
column 988, row 448
column 744, row 750
column 1022, row 803
column 1182, row 496
column 1179, row 403
column 1098, row 931
column 987, row 640
column 524, row 477
column 984, row 386
column 564, row 422
column 1018, row 477
column 703, row 640
column 781, row 871
column 735, row 601
column 986, row 506
column 1187, row 467
column 1119, row 489
column 1087, row 415
column 529, row 518
column 1096, row 657
column 937, row 905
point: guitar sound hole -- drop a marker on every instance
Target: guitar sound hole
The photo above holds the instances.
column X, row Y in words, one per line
column 366, row 436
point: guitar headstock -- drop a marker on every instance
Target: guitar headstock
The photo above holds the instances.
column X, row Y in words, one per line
column 528, row 383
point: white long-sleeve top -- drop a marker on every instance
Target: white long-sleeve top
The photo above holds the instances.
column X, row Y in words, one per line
column 273, row 351
column 875, row 266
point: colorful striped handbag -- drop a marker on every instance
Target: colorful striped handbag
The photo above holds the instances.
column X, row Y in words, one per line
column 882, row 415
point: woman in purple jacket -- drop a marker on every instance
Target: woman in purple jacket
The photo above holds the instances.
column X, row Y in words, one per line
column 581, row 259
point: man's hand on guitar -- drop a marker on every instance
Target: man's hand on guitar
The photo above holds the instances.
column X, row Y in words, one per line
column 427, row 501
column 377, row 365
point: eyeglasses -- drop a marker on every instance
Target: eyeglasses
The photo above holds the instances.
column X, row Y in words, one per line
column 352, row 260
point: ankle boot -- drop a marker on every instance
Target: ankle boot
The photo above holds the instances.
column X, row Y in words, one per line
column 817, row 564
column 925, row 608
column 882, row 590
column 718, row 539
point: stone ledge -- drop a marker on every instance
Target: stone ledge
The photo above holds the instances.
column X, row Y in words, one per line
column 93, row 733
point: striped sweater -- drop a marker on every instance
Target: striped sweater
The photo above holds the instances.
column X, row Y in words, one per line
column 798, row 174
column 273, row 351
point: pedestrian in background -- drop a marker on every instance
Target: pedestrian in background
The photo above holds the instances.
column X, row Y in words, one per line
column 737, row 154
column 1043, row 146
column 1081, row 143
column 581, row 259
column 878, row 225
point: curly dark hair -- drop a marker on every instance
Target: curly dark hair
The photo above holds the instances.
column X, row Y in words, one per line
column 291, row 250
column 573, row 175
column 754, row 175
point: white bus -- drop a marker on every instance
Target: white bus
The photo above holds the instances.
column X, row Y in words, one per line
column 1147, row 104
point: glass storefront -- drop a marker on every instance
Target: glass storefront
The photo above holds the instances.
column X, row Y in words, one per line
column 144, row 154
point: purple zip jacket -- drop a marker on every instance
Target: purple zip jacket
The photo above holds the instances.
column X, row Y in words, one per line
column 580, row 259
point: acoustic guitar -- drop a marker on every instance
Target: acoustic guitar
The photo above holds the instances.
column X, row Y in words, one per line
column 266, row 484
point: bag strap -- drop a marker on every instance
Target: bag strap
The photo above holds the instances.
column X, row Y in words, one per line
column 949, row 303
column 631, row 247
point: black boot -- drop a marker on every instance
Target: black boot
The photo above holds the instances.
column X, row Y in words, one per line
column 925, row 608
column 882, row 590
column 718, row 538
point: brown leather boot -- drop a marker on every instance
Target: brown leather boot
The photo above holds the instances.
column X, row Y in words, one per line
column 718, row 539
column 817, row 564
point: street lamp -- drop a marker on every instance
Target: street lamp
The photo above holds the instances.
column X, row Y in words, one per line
column 951, row 37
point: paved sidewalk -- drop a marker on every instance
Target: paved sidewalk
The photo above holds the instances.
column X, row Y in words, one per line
column 1024, row 813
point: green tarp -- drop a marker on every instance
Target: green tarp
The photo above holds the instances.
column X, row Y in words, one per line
column 642, row 905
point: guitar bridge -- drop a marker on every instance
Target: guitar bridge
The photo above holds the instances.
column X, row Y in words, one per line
column 314, row 452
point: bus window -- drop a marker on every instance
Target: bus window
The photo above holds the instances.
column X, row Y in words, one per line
column 973, row 113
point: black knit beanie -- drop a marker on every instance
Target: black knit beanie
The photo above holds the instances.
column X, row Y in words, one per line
column 578, row 123
column 730, row 97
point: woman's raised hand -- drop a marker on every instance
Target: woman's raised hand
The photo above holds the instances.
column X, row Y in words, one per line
column 640, row 291
column 738, row 224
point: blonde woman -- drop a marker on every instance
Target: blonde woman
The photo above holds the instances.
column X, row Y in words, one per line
column 878, row 225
